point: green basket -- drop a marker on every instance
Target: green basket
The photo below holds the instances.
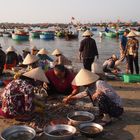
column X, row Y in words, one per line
column 131, row 78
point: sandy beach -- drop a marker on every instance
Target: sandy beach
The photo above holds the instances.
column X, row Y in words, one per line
column 126, row 128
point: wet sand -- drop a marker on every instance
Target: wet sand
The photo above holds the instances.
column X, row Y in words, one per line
column 126, row 128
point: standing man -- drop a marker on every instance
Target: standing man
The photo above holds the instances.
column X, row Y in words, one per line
column 2, row 59
column 123, row 45
column 123, row 49
column 88, row 50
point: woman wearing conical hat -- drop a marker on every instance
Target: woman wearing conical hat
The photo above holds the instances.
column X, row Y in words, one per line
column 43, row 55
column 132, row 47
column 18, row 95
column 45, row 59
column 11, row 58
column 109, row 102
column 34, row 50
column 60, row 58
column 109, row 65
column 25, row 52
column 31, row 61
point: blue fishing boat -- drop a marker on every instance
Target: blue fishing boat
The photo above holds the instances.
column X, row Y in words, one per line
column 48, row 35
column 93, row 29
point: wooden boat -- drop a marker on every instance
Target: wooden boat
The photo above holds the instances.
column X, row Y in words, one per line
column 69, row 36
column 20, row 35
column 71, row 33
column 48, row 35
column 111, row 34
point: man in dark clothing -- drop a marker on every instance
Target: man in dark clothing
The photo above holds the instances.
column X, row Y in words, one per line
column 88, row 50
column 2, row 60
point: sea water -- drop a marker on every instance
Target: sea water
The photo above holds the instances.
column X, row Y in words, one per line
column 106, row 46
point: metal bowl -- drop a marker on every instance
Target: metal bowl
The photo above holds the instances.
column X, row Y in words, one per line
column 91, row 133
column 16, row 132
column 60, row 129
column 74, row 122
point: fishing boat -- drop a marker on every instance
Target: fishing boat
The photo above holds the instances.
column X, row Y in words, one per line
column 35, row 34
column 93, row 29
column 71, row 33
column 6, row 34
column 60, row 34
column 110, row 34
column 20, row 35
column 70, row 36
column 47, row 35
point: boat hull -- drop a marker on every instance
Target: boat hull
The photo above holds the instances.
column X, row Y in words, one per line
column 71, row 36
column 20, row 37
column 47, row 36
column 6, row 35
column 34, row 34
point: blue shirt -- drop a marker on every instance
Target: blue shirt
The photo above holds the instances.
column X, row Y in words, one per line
column 123, row 42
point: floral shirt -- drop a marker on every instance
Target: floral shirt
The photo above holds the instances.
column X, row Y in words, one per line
column 132, row 47
column 17, row 98
column 105, row 88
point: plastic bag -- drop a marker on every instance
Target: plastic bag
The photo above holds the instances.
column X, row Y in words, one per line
column 96, row 67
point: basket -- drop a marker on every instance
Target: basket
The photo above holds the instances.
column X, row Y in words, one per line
column 131, row 78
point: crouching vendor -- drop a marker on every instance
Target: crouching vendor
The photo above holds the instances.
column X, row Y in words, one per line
column 60, row 79
column 18, row 96
column 108, row 101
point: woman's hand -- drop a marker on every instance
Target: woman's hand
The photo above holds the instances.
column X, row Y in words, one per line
column 45, row 85
column 67, row 99
column 96, row 94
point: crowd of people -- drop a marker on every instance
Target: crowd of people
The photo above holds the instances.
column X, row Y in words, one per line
column 52, row 74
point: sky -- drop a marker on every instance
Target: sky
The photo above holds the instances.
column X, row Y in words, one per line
column 61, row 11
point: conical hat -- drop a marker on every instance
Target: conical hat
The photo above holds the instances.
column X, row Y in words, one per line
column 84, row 77
column 37, row 74
column 34, row 48
column 131, row 34
column 11, row 49
column 56, row 52
column 43, row 51
column 29, row 59
column 87, row 33
column 26, row 50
